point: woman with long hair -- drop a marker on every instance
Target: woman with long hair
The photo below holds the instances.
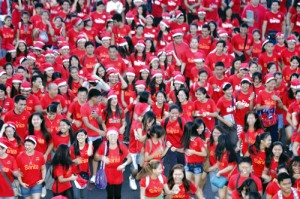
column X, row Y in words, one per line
column 186, row 106
column 258, row 153
column 13, row 141
column 64, row 91
column 114, row 116
column 110, row 150
column 80, row 151
column 25, row 29
column 157, row 83
column 251, row 129
column 65, row 135
column 205, row 108
column 31, row 164
column 164, row 36
column 294, row 170
column 8, row 34
column 249, row 185
column 153, row 182
column 53, row 117
column 37, row 127
column 160, row 107
column 139, row 57
column 195, row 152
column 74, row 80
column 62, row 172
column 227, row 161
column 138, row 134
column 202, row 81
column 277, row 156
column 178, row 177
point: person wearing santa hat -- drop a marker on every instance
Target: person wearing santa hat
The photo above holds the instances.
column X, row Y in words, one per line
column 10, row 56
column 113, row 154
column 14, row 142
column 164, row 35
column 290, row 51
column 114, row 116
column 267, row 101
column 8, row 170
column 179, row 23
column 268, row 55
column 33, row 103
column 157, row 83
column 73, row 33
column 99, row 16
column 31, row 164
column 102, row 51
column 202, row 81
column 63, row 172
column 119, row 29
column 79, row 49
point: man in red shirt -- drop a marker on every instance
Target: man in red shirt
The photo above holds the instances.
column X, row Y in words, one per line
column 286, row 190
column 90, row 59
column 19, row 115
column 73, row 114
column 245, row 172
column 53, row 96
column 91, row 113
column 253, row 14
column 6, row 103
column 217, row 56
column 74, row 32
column 33, row 103
column 273, row 20
column 243, row 42
column 205, row 40
column 114, row 60
column 119, row 29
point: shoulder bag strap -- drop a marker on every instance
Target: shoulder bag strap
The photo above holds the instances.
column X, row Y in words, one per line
column 5, row 176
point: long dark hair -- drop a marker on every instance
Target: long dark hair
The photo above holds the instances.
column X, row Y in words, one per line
column 186, row 92
column 249, row 185
column 255, row 148
column 162, row 86
column 224, row 145
column 171, row 182
column 257, row 124
column 16, row 136
column 14, row 91
column 188, row 133
column 62, row 157
column 147, row 169
column 211, row 139
column 283, row 159
column 70, row 79
column 71, row 132
column 76, row 143
column 160, row 34
column 157, row 130
column 47, row 136
column 144, row 56
column 109, row 111
column 118, row 144
column 152, row 48
column 148, row 117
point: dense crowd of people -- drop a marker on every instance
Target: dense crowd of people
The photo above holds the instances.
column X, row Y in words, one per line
column 179, row 91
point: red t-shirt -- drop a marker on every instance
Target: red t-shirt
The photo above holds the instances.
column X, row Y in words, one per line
column 99, row 20
column 74, row 109
column 223, row 163
column 13, row 148
column 264, row 59
column 291, row 196
column 274, row 21
column 183, row 194
column 238, row 43
column 41, row 145
column 31, row 102
column 115, row 159
column 213, row 58
column 30, row 167
column 226, row 106
column 159, row 112
column 86, row 111
column 84, row 165
column 115, row 120
column 205, row 44
column 102, row 53
column 286, row 55
column 135, row 146
column 47, row 100
column 211, row 15
column 187, row 111
column 265, row 98
column 151, row 148
column 258, row 14
column 218, row 93
column 258, row 162
column 8, row 105
column 233, row 181
column 242, row 98
column 21, row 121
column 195, row 144
column 208, row 106
column 154, row 188
column 212, row 154
column 121, row 31
column 65, row 173
column 272, row 188
column 296, row 21
column 119, row 64
column 174, row 132
column 59, row 139
column 248, row 139
column 9, row 165
column 7, row 35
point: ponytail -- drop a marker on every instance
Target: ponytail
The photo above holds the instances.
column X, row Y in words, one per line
column 147, row 169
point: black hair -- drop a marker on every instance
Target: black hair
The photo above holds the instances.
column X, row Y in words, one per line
column 46, row 134
column 109, row 112
column 203, row 91
column 2, row 87
column 144, row 96
column 223, row 145
column 79, row 66
column 283, row 157
column 257, row 125
column 152, row 48
column 161, row 87
column 245, row 159
column 62, row 157
column 16, row 136
column 94, row 93
column 83, row 89
column 185, row 182
column 89, row 43
column 232, row 69
column 221, row 42
column 244, row 25
column 206, row 26
column 117, row 17
column 76, row 143
column 148, row 117
column 52, row 108
column 18, row 98
column 219, row 63
column 217, row 127
column 186, row 92
column 258, row 75
column 214, row 32
column 249, row 185
column 282, row 176
column 71, row 132
column 255, row 148
column 157, row 130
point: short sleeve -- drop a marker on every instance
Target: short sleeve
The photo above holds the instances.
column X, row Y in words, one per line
column 84, row 111
column 143, row 182
column 58, row 171
column 101, row 149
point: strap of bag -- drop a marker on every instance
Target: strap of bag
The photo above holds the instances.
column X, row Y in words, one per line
column 105, row 151
column 245, row 41
column 5, row 176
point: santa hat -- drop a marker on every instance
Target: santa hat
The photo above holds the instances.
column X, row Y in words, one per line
column 144, row 68
column 111, row 94
column 80, row 183
column 160, row 51
column 91, row 79
column 112, row 131
column 77, row 21
column 291, row 38
column 178, row 13
column 140, row 83
column 10, row 48
column 279, row 34
column 177, row 32
column 244, row 66
column 157, row 73
column 166, row 16
column 129, row 15
column 201, row 11
column 165, row 22
column 112, row 72
column 64, row 45
column 26, row 85
column 31, row 56
column 49, row 53
column 153, row 58
column 31, row 138
column 140, row 43
column 66, row 58
column 86, row 18
column 222, row 33
column 2, row 72
column 246, row 79
column 3, row 143
column 269, row 77
column 105, row 36
column 11, row 124
column 17, row 78
column 199, row 57
column 130, row 71
column 225, row 84
column 81, row 38
column 179, row 79
column 60, row 82
column 121, row 41
column 47, row 67
column 295, row 84
column 38, row 46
